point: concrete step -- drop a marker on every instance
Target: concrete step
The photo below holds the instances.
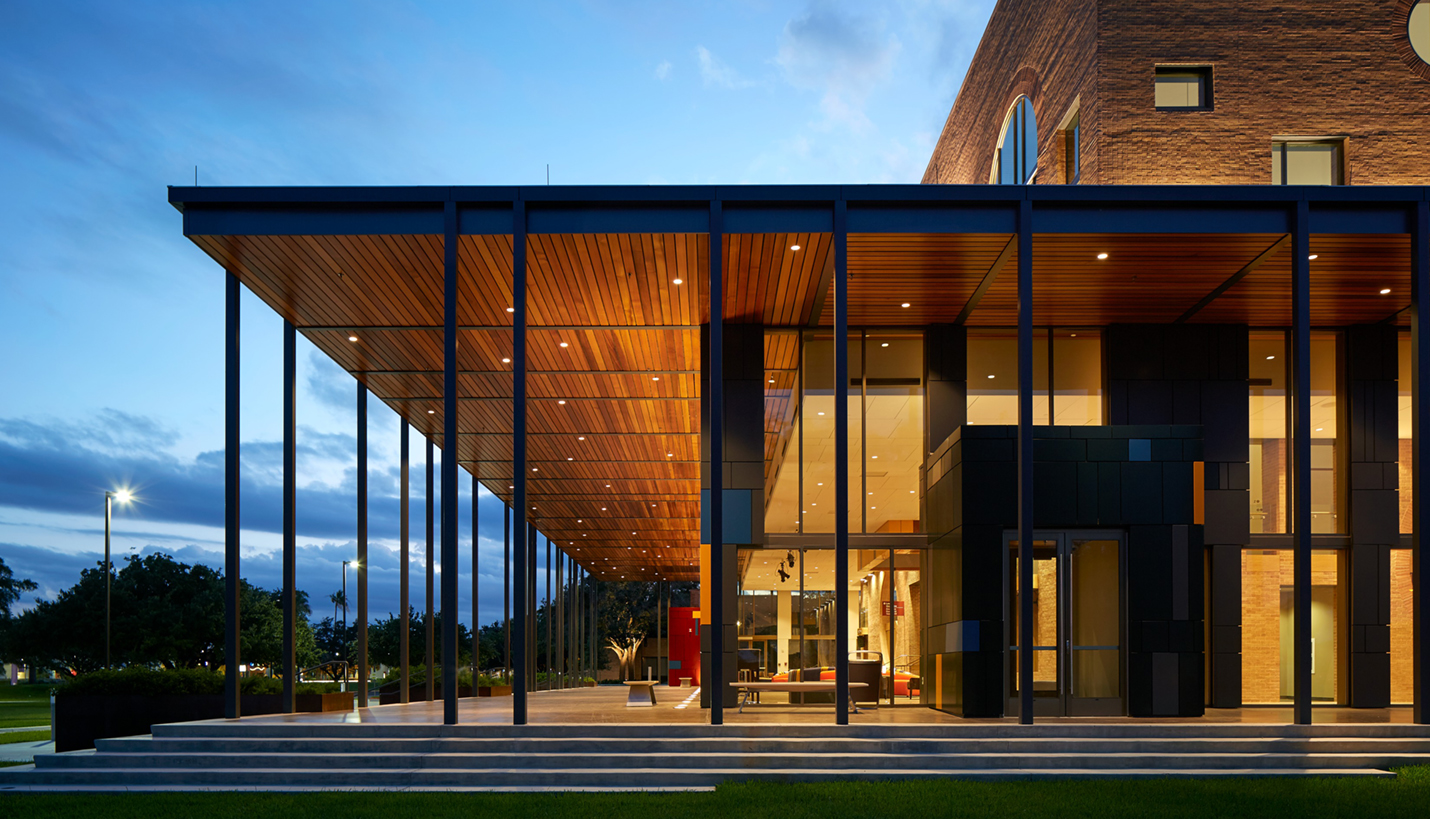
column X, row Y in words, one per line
column 602, row 745
column 279, row 728
column 591, row 778
column 154, row 762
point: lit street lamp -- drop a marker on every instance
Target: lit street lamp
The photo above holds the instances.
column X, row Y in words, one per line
column 123, row 496
column 343, row 643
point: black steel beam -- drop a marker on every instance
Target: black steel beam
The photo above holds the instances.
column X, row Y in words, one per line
column 506, row 591
column 449, row 468
column 1246, row 269
column 1420, row 513
column 231, row 477
column 1025, row 462
column 1301, row 455
column 717, row 465
column 362, row 545
column 404, row 646
column 988, row 279
column 547, row 605
column 518, row 449
column 841, row 463
column 290, row 516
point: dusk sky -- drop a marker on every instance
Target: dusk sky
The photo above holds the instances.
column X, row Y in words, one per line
column 112, row 322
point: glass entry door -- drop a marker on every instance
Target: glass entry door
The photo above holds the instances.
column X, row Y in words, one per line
column 1077, row 654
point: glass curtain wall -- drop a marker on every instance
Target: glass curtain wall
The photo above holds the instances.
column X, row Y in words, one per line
column 1268, row 617
column 1406, row 489
column 1268, row 450
column 886, row 428
column 1070, row 359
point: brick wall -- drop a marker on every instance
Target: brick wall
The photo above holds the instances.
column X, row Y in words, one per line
column 1330, row 68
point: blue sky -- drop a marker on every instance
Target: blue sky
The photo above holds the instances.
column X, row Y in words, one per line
column 112, row 322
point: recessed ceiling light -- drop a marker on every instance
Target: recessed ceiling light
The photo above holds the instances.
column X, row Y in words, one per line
column 1101, row 256
column 677, row 281
column 1385, row 291
column 603, row 508
column 772, row 381
column 668, row 455
column 581, row 438
column 570, row 459
column 1270, row 357
column 1313, row 257
column 655, row 378
column 608, row 486
column 794, row 247
column 431, row 412
column 506, row 361
column 352, row 338
column 1072, row 335
column 885, row 344
column 905, row 304
column 1318, row 429
column 821, row 413
column 534, row 469
column 561, row 401
column 991, row 376
column 875, row 457
column 511, row 309
column 564, row 344
column 819, row 484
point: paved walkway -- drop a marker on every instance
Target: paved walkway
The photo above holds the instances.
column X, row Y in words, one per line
column 607, row 704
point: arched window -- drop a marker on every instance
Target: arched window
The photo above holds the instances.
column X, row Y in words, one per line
column 1017, row 158
column 1419, row 25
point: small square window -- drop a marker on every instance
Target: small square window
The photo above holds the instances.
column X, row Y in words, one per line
column 1308, row 162
column 1180, row 87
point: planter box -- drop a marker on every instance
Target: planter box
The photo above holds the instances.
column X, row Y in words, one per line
column 589, row 684
column 493, row 691
column 81, row 719
column 336, row 701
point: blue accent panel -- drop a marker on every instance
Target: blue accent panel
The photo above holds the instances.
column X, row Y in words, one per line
column 200, row 220
column 1139, row 449
column 1351, row 218
column 738, row 516
column 674, row 665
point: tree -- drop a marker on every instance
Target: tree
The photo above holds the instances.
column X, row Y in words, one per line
column 626, row 615
column 10, row 591
column 384, row 647
column 162, row 612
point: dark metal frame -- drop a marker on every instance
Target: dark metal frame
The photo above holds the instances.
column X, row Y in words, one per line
column 290, row 515
column 361, row 545
column 1011, row 209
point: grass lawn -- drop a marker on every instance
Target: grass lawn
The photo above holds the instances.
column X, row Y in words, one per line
column 1407, row 795
column 22, row 706
column 11, row 737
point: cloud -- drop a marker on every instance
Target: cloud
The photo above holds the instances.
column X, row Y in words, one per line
column 842, row 56
column 662, row 71
column 715, row 73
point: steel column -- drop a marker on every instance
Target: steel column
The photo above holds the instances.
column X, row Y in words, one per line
column 1301, row 455
column 404, row 645
column 506, row 590
column 290, row 515
column 518, row 451
column 548, row 614
column 231, row 706
column 1025, row 462
column 430, row 631
column 476, row 615
column 717, row 466
column 449, row 467
column 841, row 463
column 1420, row 513
column 362, row 544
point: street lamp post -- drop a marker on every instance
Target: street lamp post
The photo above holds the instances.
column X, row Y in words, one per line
column 122, row 496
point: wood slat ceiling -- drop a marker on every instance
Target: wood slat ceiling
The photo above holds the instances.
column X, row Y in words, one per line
column 629, row 371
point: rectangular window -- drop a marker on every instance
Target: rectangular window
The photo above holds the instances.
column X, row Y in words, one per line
column 1268, row 625
column 1269, row 445
column 1180, row 87
column 1308, row 162
column 1405, row 418
column 1072, row 358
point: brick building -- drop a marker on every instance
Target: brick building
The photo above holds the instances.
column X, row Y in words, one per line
column 1345, row 71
